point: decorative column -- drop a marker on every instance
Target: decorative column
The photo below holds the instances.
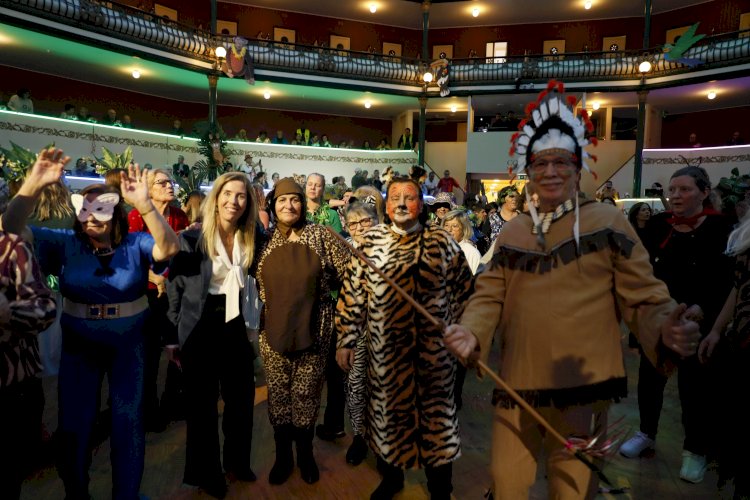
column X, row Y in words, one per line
column 425, row 28
column 647, row 24
column 639, row 135
column 213, row 17
column 422, row 126
column 213, row 80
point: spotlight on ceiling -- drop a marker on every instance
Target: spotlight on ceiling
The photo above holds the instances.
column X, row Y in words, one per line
column 368, row 104
column 373, row 8
column 221, row 52
column 427, row 77
column 267, row 94
column 644, row 67
column 454, row 108
column 136, row 74
column 475, row 12
column 596, row 105
column 587, row 4
column 711, row 94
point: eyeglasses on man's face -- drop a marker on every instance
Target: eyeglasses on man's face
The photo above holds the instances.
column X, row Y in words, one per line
column 366, row 222
column 164, row 183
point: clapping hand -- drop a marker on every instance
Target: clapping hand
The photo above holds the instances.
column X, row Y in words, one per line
column 47, row 169
column 134, row 188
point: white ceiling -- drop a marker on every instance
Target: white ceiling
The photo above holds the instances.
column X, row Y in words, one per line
column 408, row 14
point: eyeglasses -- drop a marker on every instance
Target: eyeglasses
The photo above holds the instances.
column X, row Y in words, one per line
column 366, row 222
column 559, row 164
column 164, row 183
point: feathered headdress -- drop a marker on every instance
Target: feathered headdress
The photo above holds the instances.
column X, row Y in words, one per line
column 551, row 124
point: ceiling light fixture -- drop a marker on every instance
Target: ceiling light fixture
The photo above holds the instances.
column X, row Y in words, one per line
column 221, row 52
column 587, row 4
column 475, row 12
column 454, row 108
column 596, row 105
column 266, row 95
column 136, row 74
column 644, row 67
column 373, row 8
column 711, row 94
column 368, row 103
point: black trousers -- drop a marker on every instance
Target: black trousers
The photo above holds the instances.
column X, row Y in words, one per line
column 217, row 359
column 694, row 387
column 21, row 407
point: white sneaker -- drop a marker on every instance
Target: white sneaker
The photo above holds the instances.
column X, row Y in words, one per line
column 636, row 445
column 693, row 467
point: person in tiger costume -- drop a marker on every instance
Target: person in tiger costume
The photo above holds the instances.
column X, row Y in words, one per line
column 559, row 282
column 411, row 416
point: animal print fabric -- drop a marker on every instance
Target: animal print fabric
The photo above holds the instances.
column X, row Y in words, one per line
column 411, row 414
column 295, row 381
column 29, row 309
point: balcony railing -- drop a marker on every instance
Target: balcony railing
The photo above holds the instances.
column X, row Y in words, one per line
column 122, row 21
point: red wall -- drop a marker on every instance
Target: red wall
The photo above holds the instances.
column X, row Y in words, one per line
column 713, row 128
column 51, row 93
column 717, row 16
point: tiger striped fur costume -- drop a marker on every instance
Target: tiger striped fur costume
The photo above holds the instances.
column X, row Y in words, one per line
column 411, row 415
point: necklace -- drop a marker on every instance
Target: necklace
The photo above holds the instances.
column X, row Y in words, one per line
column 103, row 252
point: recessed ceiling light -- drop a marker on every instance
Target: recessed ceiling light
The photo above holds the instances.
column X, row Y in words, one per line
column 596, row 105
column 711, row 94
column 136, row 74
column 475, row 12
column 373, row 8
column 587, row 4
column 266, row 95
column 368, row 104
column 454, row 108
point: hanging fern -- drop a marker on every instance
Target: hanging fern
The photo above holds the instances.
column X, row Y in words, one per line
column 17, row 161
column 111, row 160
column 192, row 182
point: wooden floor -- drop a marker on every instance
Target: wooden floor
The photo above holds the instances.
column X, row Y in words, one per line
column 648, row 478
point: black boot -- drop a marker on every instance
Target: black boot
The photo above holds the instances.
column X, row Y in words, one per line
column 392, row 483
column 305, row 459
column 440, row 481
column 284, row 464
column 357, row 451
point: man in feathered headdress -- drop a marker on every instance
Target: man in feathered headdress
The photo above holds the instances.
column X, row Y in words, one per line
column 560, row 280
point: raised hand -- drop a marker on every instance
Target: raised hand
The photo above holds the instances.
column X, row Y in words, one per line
column 47, row 169
column 134, row 188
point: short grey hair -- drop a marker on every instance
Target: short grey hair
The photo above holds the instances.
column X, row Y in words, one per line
column 467, row 231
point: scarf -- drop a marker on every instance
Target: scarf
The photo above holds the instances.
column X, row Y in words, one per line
column 287, row 185
column 235, row 278
column 691, row 222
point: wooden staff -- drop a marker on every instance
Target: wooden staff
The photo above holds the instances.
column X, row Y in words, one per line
column 489, row 371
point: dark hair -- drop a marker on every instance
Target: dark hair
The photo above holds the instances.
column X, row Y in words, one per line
column 119, row 217
column 633, row 212
column 425, row 214
column 504, row 192
column 23, row 91
column 492, row 206
column 700, row 176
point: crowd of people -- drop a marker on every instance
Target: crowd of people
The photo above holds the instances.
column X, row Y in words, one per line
column 386, row 299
